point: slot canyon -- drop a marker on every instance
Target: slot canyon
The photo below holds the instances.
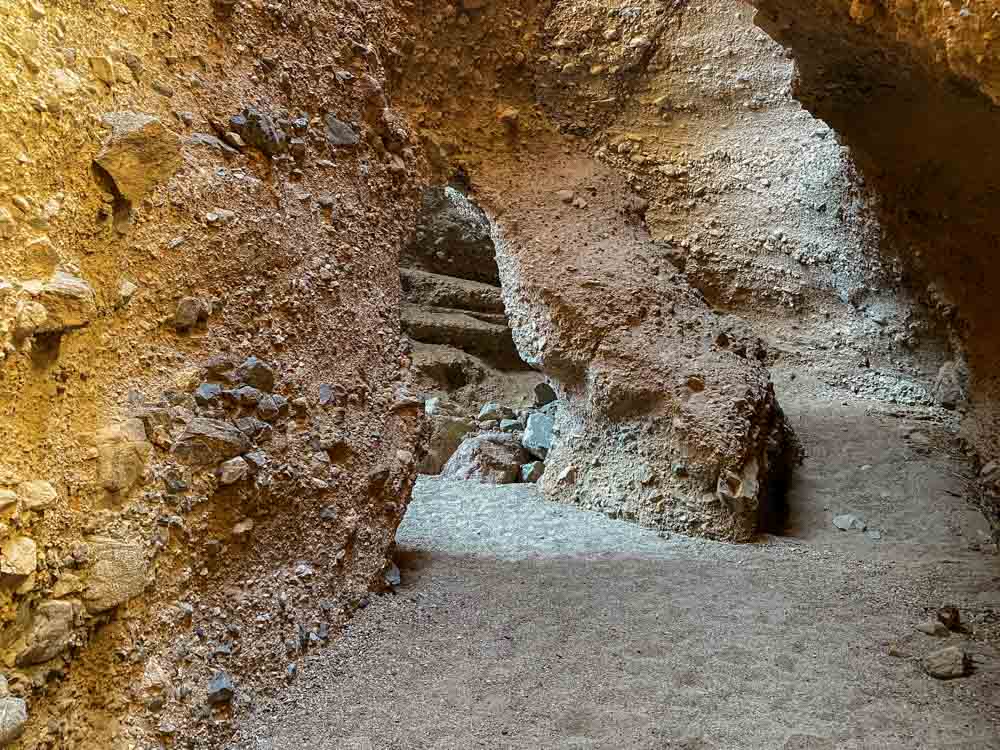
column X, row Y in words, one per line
column 499, row 373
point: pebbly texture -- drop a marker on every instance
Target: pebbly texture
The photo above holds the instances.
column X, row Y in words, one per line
column 913, row 87
column 181, row 182
column 669, row 417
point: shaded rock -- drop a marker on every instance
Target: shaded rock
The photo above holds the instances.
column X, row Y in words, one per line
column 234, row 470
column 18, row 556
column 449, row 292
column 947, row 663
column 510, row 425
column 8, row 501
column 13, row 719
column 447, row 433
column 207, row 394
column 489, row 339
column 950, row 617
column 532, row 472
column 544, row 394
column 118, row 574
column 37, row 494
column 256, row 373
column 538, row 435
column 140, row 153
column 220, row 689
column 492, row 458
column 453, row 237
column 50, row 632
column 339, row 133
column 122, row 452
column 68, row 300
column 951, row 384
column 190, row 312
column 209, row 441
column 494, row 411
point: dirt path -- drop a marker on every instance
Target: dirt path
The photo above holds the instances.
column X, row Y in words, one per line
column 524, row 624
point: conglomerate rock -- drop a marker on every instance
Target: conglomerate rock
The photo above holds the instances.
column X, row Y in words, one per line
column 669, row 417
column 913, row 88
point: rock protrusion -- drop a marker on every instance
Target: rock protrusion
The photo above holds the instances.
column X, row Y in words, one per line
column 140, row 153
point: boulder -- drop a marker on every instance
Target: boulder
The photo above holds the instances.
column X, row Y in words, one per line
column 13, row 719
column 122, row 452
column 647, row 373
column 447, row 433
column 50, row 632
column 544, row 394
column 206, row 442
column 492, row 458
column 67, row 300
column 140, row 153
column 37, row 494
column 947, row 663
column 257, row 374
column 190, row 312
column 538, row 435
column 18, row 556
column 234, row 470
column 118, row 574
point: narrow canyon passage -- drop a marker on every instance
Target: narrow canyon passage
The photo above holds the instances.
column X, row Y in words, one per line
column 523, row 624
column 405, row 374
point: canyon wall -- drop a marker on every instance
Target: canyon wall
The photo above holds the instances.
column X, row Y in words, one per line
column 207, row 439
column 913, row 88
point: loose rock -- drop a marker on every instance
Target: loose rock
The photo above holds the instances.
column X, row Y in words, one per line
column 849, row 522
column 220, row 689
column 255, row 373
column 493, row 458
column 140, row 153
column 947, row 663
column 233, row 471
column 209, row 441
column 538, row 435
column 37, row 494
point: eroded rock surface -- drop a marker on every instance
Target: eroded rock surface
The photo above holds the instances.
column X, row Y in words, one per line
column 669, row 417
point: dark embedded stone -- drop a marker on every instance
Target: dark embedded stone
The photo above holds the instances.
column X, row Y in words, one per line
column 253, row 427
column 220, row 689
column 260, row 131
column 257, row 460
column 267, row 409
column 255, row 373
column 190, row 312
column 207, row 394
column 544, row 394
column 209, row 441
column 248, row 396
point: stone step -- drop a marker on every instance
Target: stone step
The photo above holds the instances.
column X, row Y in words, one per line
column 491, row 341
column 438, row 290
